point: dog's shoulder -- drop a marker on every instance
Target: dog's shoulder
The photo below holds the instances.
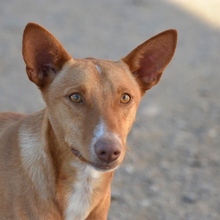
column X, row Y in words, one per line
column 8, row 118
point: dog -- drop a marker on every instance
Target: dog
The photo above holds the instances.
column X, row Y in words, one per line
column 58, row 163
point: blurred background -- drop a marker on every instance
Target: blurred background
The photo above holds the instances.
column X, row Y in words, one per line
column 172, row 168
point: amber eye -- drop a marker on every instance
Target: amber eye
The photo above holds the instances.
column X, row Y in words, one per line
column 76, row 97
column 125, row 98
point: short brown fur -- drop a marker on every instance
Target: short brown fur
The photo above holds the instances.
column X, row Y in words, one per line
column 55, row 160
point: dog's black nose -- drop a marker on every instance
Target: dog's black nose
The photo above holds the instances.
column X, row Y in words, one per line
column 107, row 150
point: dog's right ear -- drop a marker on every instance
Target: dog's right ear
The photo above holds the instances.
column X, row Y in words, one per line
column 43, row 54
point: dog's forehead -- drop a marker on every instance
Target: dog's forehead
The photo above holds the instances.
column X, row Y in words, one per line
column 112, row 71
column 96, row 78
column 98, row 68
column 93, row 72
column 115, row 76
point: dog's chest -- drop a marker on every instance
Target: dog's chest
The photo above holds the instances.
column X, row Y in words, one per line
column 80, row 197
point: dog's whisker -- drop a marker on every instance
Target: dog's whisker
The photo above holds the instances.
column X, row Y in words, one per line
column 142, row 126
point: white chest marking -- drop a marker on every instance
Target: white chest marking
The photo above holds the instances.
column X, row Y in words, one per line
column 79, row 201
column 35, row 161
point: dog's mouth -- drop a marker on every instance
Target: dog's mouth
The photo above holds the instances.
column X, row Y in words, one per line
column 98, row 166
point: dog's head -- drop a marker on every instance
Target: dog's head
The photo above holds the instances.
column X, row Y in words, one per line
column 92, row 103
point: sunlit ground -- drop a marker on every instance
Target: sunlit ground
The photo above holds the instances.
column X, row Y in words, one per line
column 206, row 10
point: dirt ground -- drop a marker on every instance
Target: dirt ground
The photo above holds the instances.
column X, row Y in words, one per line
column 172, row 169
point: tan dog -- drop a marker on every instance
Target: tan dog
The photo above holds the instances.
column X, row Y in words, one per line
column 58, row 163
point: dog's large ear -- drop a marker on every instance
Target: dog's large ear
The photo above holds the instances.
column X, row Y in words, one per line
column 43, row 54
column 148, row 60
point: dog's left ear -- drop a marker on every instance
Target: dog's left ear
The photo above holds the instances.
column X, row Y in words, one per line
column 148, row 60
column 43, row 54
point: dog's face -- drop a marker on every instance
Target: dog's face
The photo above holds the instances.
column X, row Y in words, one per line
column 92, row 103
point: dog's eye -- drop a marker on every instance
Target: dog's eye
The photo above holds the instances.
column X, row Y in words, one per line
column 125, row 98
column 76, row 97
